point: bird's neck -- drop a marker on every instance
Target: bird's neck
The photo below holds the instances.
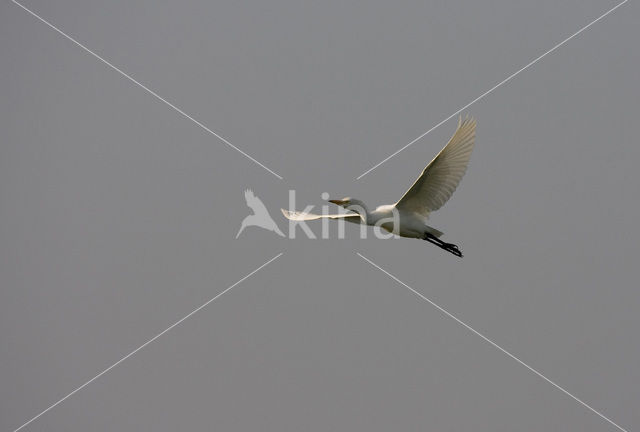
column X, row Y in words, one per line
column 359, row 207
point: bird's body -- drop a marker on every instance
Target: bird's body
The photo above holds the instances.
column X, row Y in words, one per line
column 434, row 187
column 409, row 224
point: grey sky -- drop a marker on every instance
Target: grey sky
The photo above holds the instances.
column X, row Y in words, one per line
column 118, row 216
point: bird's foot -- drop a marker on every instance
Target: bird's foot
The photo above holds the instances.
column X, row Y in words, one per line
column 450, row 247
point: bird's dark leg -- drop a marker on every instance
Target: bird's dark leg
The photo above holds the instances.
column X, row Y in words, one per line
column 449, row 247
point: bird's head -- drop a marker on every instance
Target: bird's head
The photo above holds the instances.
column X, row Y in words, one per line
column 352, row 204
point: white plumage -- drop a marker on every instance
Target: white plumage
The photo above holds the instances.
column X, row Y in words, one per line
column 443, row 174
column 428, row 193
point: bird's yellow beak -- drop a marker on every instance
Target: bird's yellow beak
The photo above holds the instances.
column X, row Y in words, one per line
column 337, row 202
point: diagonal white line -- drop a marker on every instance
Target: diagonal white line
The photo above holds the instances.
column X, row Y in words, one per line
column 148, row 342
column 156, row 95
column 468, row 327
column 504, row 81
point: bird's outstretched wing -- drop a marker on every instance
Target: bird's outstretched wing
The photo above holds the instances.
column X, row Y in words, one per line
column 299, row 216
column 254, row 203
column 443, row 174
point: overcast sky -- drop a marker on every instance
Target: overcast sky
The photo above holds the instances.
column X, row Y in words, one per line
column 118, row 216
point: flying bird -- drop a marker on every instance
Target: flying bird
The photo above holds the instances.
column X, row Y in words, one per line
column 260, row 216
column 408, row 217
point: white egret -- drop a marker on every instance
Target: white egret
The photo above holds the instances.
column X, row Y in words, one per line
column 434, row 187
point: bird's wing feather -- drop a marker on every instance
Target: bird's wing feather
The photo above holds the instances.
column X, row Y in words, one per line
column 299, row 216
column 254, row 203
column 443, row 174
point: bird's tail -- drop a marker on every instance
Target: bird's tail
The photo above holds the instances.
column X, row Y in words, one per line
column 434, row 232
